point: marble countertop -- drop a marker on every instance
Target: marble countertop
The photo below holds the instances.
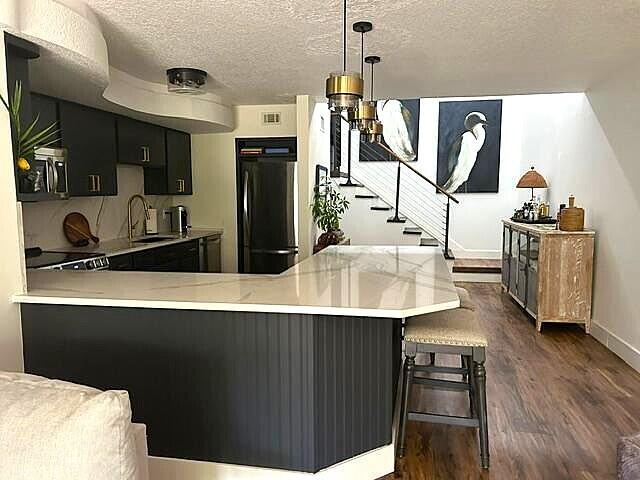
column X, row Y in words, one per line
column 121, row 246
column 541, row 229
column 398, row 282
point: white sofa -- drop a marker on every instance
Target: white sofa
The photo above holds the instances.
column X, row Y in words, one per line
column 54, row 430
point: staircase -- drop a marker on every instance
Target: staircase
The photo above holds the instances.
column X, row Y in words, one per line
column 397, row 193
column 376, row 230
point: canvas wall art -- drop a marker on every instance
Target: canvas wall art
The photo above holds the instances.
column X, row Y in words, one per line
column 401, row 127
column 469, row 146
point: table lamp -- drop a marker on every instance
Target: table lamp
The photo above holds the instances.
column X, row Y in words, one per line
column 532, row 179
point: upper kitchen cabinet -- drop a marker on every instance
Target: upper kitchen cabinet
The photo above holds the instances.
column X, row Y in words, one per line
column 47, row 110
column 179, row 163
column 175, row 179
column 140, row 143
column 89, row 135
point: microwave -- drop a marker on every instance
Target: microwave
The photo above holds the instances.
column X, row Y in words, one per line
column 51, row 170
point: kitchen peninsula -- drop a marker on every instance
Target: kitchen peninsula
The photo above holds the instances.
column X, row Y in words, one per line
column 295, row 371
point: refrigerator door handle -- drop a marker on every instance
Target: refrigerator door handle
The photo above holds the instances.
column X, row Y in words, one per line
column 245, row 213
column 245, row 223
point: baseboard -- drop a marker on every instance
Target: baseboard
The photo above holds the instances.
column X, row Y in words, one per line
column 370, row 465
column 618, row 346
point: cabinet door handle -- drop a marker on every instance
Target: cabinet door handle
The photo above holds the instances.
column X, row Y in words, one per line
column 93, row 183
column 145, row 154
column 180, row 185
column 99, row 183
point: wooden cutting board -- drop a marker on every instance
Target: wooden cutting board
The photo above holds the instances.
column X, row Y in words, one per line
column 76, row 229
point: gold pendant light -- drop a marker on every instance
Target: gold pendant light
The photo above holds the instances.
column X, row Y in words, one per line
column 344, row 89
column 368, row 122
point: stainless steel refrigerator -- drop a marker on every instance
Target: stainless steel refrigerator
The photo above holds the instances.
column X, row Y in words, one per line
column 266, row 224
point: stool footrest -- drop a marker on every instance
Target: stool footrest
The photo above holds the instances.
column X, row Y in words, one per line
column 445, row 419
column 440, row 369
column 442, row 384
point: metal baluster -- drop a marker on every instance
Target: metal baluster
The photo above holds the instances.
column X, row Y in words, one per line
column 396, row 217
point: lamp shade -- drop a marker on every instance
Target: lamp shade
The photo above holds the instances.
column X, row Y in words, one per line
column 532, row 179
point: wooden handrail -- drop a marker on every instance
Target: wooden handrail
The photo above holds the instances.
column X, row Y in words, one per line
column 415, row 170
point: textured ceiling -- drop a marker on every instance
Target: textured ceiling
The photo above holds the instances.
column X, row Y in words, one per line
column 266, row 51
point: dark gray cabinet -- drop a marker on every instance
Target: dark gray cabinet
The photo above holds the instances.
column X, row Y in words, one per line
column 175, row 179
column 46, row 108
column 181, row 257
column 141, row 143
column 506, row 254
column 532, row 274
column 520, row 265
column 121, row 262
column 89, row 135
column 179, row 163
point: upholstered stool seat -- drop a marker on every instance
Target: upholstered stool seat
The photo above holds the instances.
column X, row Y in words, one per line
column 454, row 332
column 449, row 327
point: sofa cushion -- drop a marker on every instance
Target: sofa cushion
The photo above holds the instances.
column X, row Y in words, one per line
column 629, row 458
column 57, row 430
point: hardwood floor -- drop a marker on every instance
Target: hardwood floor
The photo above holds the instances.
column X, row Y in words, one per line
column 558, row 402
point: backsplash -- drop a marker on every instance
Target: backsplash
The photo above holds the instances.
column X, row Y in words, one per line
column 43, row 221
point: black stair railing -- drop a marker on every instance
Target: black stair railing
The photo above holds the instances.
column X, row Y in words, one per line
column 438, row 221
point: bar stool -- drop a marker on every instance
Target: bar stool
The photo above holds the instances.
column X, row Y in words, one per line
column 454, row 332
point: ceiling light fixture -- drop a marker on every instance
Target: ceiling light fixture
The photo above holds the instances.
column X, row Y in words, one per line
column 353, row 115
column 186, row 80
column 344, row 89
column 368, row 121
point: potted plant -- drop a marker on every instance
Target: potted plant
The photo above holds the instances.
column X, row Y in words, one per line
column 27, row 140
column 327, row 209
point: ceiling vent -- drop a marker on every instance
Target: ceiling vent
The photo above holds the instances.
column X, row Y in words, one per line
column 186, row 80
column 271, row 118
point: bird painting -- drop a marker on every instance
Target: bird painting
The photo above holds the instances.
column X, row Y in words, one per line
column 464, row 150
column 400, row 128
column 469, row 133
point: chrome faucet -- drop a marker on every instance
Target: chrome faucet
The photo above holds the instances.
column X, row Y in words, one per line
column 131, row 228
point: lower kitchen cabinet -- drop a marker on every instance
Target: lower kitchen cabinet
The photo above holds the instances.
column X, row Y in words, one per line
column 181, row 257
column 549, row 272
column 121, row 262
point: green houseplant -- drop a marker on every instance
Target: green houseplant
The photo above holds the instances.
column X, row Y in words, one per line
column 27, row 140
column 327, row 209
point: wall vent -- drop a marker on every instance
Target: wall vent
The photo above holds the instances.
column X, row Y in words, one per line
column 271, row 118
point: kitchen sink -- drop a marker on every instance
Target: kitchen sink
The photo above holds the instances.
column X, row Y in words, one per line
column 153, row 239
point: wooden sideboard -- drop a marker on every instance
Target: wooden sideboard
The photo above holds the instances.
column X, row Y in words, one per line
column 549, row 272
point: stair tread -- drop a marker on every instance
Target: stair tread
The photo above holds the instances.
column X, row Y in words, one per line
column 429, row 242
column 477, row 265
column 382, row 208
column 366, row 195
column 412, row 231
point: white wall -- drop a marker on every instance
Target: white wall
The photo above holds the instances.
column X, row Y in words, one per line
column 599, row 165
column 43, row 220
column 12, row 278
column 213, row 203
column 537, row 130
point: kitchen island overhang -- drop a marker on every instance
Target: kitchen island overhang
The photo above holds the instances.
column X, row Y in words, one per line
column 254, row 373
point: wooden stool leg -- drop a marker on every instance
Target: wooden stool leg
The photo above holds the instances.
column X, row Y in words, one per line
column 464, row 363
column 480, row 380
column 407, row 379
column 470, row 379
